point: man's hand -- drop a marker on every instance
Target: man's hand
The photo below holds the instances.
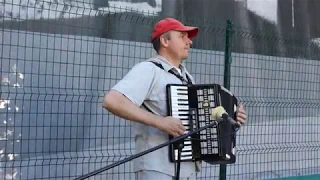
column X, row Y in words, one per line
column 241, row 115
column 171, row 126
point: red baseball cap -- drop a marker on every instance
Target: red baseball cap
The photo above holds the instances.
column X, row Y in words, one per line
column 168, row 24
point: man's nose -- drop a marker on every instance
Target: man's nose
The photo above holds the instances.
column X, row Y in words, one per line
column 189, row 41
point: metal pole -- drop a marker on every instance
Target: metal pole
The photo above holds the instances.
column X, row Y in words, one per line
column 227, row 67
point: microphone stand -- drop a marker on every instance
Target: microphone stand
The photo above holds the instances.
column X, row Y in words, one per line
column 180, row 147
column 174, row 140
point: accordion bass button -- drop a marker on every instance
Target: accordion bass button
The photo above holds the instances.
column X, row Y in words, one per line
column 205, row 104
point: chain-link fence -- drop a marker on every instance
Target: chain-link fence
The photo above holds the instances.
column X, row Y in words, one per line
column 59, row 58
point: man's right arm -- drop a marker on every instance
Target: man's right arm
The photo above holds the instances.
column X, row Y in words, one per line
column 121, row 106
column 125, row 98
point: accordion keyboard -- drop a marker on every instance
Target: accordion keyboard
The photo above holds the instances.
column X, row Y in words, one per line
column 180, row 110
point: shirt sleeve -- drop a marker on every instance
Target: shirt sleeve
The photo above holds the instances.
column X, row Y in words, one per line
column 137, row 84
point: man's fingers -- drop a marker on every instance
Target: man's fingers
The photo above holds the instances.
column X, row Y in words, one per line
column 242, row 116
column 182, row 127
column 178, row 131
column 241, row 109
column 175, row 134
column 242, row 121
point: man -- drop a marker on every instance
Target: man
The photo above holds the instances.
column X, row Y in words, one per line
column 141, row 97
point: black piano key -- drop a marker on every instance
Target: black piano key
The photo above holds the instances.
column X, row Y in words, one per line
column 182, row 99
column 183, row 104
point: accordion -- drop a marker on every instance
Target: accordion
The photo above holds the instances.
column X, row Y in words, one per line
column 193, row 105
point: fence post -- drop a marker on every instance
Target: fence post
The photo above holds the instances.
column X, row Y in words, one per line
column 226, row 79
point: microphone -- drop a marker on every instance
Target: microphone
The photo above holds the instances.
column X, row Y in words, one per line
column 220, row 112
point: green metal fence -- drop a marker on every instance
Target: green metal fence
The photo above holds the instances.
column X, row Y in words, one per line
column 55, row 71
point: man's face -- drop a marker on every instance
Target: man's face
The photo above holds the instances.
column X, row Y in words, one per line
column 179, row 45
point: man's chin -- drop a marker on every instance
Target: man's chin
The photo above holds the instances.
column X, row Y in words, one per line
column 184, row 58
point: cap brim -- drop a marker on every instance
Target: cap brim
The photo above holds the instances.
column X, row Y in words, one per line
column 192, row 31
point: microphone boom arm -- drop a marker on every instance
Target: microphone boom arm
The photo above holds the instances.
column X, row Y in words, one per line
column 174, row 140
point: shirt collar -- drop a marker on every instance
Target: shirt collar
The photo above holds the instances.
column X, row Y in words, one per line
column 168, row 66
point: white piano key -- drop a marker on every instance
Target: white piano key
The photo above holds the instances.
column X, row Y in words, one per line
column 187, row 142
column 183, row 151
column 176, row 96
column 176, row 91
column 187, row 148
column 186, row 153
column 179, row 87
column 185, row 123
column 176, row 86
column 181, row 113
column 181, row 116
column 184, row 158
column 179, row 108
column 176, row 106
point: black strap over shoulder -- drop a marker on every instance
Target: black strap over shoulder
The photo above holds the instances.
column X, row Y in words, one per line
column 177, row 75
column 157, row 64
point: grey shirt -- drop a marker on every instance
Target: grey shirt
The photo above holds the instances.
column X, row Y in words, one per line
column 146, row 83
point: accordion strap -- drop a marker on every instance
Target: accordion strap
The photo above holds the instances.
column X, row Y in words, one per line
column 174, row 73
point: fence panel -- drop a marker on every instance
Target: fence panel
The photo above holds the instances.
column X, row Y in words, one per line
column 277, row 80
column 56, row 66
column 58, row 60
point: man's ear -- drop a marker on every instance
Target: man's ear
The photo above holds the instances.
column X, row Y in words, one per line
column 164, row 41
